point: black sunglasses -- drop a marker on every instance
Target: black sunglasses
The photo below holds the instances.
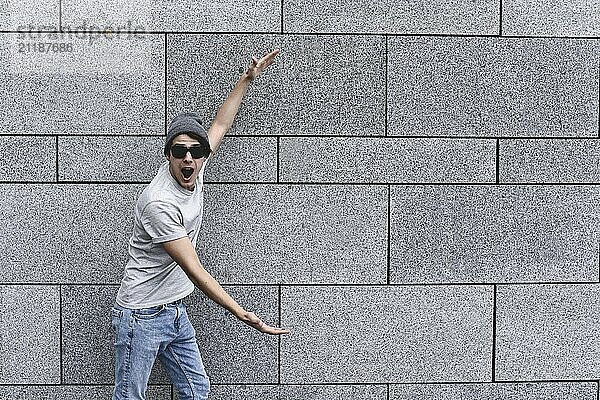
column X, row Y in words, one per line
column 180, row 151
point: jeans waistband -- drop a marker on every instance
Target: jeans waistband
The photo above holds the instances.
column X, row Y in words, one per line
column 173, row 303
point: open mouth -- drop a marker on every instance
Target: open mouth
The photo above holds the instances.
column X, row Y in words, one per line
column 187, row 172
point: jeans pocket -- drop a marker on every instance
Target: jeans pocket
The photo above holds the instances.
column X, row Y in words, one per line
column 148, row 313
column 115, row 322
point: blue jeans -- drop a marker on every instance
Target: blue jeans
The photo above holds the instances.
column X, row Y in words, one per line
column 164, row 332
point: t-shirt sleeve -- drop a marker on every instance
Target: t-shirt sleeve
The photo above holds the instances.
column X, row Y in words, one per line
column 163, row 222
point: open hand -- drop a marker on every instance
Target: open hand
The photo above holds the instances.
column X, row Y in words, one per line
column 251, row 319
column 258, row 66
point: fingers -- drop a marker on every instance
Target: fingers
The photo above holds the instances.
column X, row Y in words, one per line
column 260, row 325
column 269, row 58
column 265, row 61
column 273, row 330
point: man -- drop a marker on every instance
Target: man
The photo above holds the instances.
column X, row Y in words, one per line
column 149, row 317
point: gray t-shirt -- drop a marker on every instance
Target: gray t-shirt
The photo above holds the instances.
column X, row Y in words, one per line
column 165, row 211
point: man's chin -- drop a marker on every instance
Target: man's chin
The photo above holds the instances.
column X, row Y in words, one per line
column 188, row 184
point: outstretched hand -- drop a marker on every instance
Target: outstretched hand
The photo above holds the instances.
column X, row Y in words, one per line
column 251, row 319
column 259, row 65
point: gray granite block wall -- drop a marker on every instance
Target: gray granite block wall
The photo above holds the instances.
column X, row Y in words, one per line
column 412, row 189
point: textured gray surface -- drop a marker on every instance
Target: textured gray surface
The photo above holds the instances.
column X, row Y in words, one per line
column 501, row 391
column 318, row 84
column 242, row 159
column 376, row 160
column 383, row 334
column 333, row 392
column 118, row 159
column 65, row 233
column 73, row 392
column 27, row 159
column 494, row 233
column 29, row 15
column 232, row 351
column 105, row 86
column 548, row 332
column 550, row 161
column 187, row 15
column 88, row 354
column 551, row 17
column 295, row 234
column 475, row 86
column 479, row 17
column 30, row 335
column 298, row 392
column 243, row 392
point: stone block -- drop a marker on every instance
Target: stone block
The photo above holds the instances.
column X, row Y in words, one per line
column 341, row 91
column 496, row 391
column 29, row 15
column 26, row 159
column 385, row 334
column 243, row 392
column 551, row 18
column 115, row 159
column 477, row 234
column 30, row 335
column 295, row 234
column 485, row 86
column 93, row 84
column 328, row 392
column 548, row 332
column 136, row 159
column 298, row 392
column 549, row 161
column 73, row 392
column 386, row 160
column 232, row 351
column 65, row 233
column 244, row 159
column 88, row 352
column 480, row 17
column 163, row 15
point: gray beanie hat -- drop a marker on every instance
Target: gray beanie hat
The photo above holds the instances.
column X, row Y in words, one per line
column 190, row 124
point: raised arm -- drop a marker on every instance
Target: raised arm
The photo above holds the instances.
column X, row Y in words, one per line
column 229, row 109
column 183, row 253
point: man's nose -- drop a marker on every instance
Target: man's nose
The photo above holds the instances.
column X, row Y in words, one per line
column 188, row 156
